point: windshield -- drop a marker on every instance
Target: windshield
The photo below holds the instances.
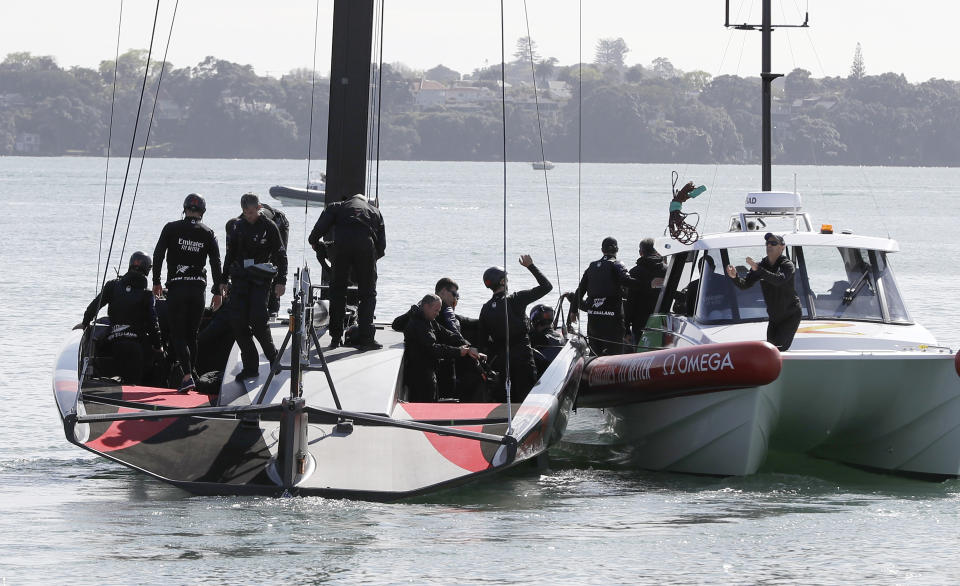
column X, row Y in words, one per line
column 832, row 283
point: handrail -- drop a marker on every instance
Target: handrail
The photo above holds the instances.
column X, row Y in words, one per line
column 167, row 413
column 414, row 425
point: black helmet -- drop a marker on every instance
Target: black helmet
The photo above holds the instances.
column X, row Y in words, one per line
column 609, row 244
column 141, row 263
column 195, row 202
column 539, row 313
column 493, row 277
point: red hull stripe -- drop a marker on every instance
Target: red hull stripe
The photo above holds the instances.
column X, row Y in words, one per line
column 463, row 452
column 691, row 368
column 440, row 411
column 123, row 434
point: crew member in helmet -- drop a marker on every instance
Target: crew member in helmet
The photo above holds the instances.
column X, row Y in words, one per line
column 545, row 339
column 256, row 261
column 134, row 328
column 504, row 326
column 359, row 241
column 187, row 245
column 602, row 284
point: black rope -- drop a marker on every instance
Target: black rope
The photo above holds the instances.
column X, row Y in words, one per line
column 133, row 143
column 546, row 181
column 506, row 306
column 146, row 141
column 106, row 173
column 376, row 190
column 313, row 90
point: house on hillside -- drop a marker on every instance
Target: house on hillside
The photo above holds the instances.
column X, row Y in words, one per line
column 428, row 93
column 27, row 143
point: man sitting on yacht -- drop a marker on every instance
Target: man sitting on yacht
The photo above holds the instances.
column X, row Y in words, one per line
column 775, row 273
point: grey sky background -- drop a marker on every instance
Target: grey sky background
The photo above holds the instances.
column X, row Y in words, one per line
column 914, row 38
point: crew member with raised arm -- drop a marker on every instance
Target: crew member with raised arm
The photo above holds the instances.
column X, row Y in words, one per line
column 776, row 275
column 187, row 244
column 256, row 261
column 504, row 327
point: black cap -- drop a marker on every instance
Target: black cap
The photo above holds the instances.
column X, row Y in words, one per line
column 770, row 235
column 609, row 244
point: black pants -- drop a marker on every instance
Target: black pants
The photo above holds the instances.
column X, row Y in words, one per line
column 523, row 373
column 184, row 311
column 782, row 329
column 131, row 356
column 215, row 341
column 363, row 261
column 248, row 319
column 606, row 334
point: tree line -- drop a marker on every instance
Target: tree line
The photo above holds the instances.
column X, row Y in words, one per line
column 638, row 114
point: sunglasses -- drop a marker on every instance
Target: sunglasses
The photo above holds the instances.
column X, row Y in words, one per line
column 455, row 294
column 772, row 243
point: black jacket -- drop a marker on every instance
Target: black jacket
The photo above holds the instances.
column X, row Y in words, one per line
column 494, row 317
column 642, row 301
column 187, row 244
column 130, row 306
column 603, row 283
column 425, row 343
column 776, row 283
column 259, row 241
column 355, row 222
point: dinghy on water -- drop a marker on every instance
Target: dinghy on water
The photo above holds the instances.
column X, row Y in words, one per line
column 313, row 194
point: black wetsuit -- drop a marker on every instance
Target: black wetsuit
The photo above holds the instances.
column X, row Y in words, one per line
column 780, row 295
column 187, row 244
column 249, row 244
column 642, row 301
column 603, row 283
column 426, row 343
column 133, row 324
column 359, row 240
column 495, row 315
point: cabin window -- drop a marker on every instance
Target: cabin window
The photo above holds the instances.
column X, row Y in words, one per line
column 896, row 310
column 720, row 301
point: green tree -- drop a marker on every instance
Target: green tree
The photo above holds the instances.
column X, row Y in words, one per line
column 857, row 69
column 611, row 52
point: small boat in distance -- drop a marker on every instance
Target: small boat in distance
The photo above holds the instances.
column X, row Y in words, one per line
column 314, row 192
column 542, row 165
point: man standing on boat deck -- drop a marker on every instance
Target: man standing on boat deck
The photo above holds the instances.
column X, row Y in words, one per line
column 504, row 327
column 641, row 302
column 256, row 261
column 776, row 275
column 603, row 284
column 359, row 240
column 133, row 320
column 187, row 245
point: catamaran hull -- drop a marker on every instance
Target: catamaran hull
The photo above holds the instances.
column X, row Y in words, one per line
column 373, row 458
column 890, row 411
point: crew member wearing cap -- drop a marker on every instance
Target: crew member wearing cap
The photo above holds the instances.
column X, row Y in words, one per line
column 775, row 273
column 650, row 271
column 187, row 245
column 504, row 327
column 602, row 284
column 256, row 260
column 133, row 320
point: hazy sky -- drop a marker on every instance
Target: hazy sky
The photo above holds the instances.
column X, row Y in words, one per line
column 915, row 38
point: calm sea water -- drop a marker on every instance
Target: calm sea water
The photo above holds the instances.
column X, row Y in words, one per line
column 66, row 515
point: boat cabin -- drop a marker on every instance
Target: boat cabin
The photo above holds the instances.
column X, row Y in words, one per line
column 839, row 276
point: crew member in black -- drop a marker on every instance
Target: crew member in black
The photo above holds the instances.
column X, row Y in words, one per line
column 283, row 224
column 603, row 283
column 641, row 302
column 187, row 245
column 461, row 377
column 776, row 275
column 133, row 320
column 358, row 241
column 256, row 261
column 426, row 342
column 544, row 338
column 504, row 311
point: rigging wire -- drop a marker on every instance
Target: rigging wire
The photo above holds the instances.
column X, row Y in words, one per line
column 579, row 128
column 546, row 181
column 313, row 91
column 133, row 142
column 373, row 103
column 376, row 189
column 106, row 173
column 146, row 140
column 506, row 305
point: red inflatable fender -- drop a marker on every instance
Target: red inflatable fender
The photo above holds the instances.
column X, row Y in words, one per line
column 646, row 376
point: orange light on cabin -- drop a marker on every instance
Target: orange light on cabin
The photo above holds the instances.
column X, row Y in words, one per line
column 826, row 228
